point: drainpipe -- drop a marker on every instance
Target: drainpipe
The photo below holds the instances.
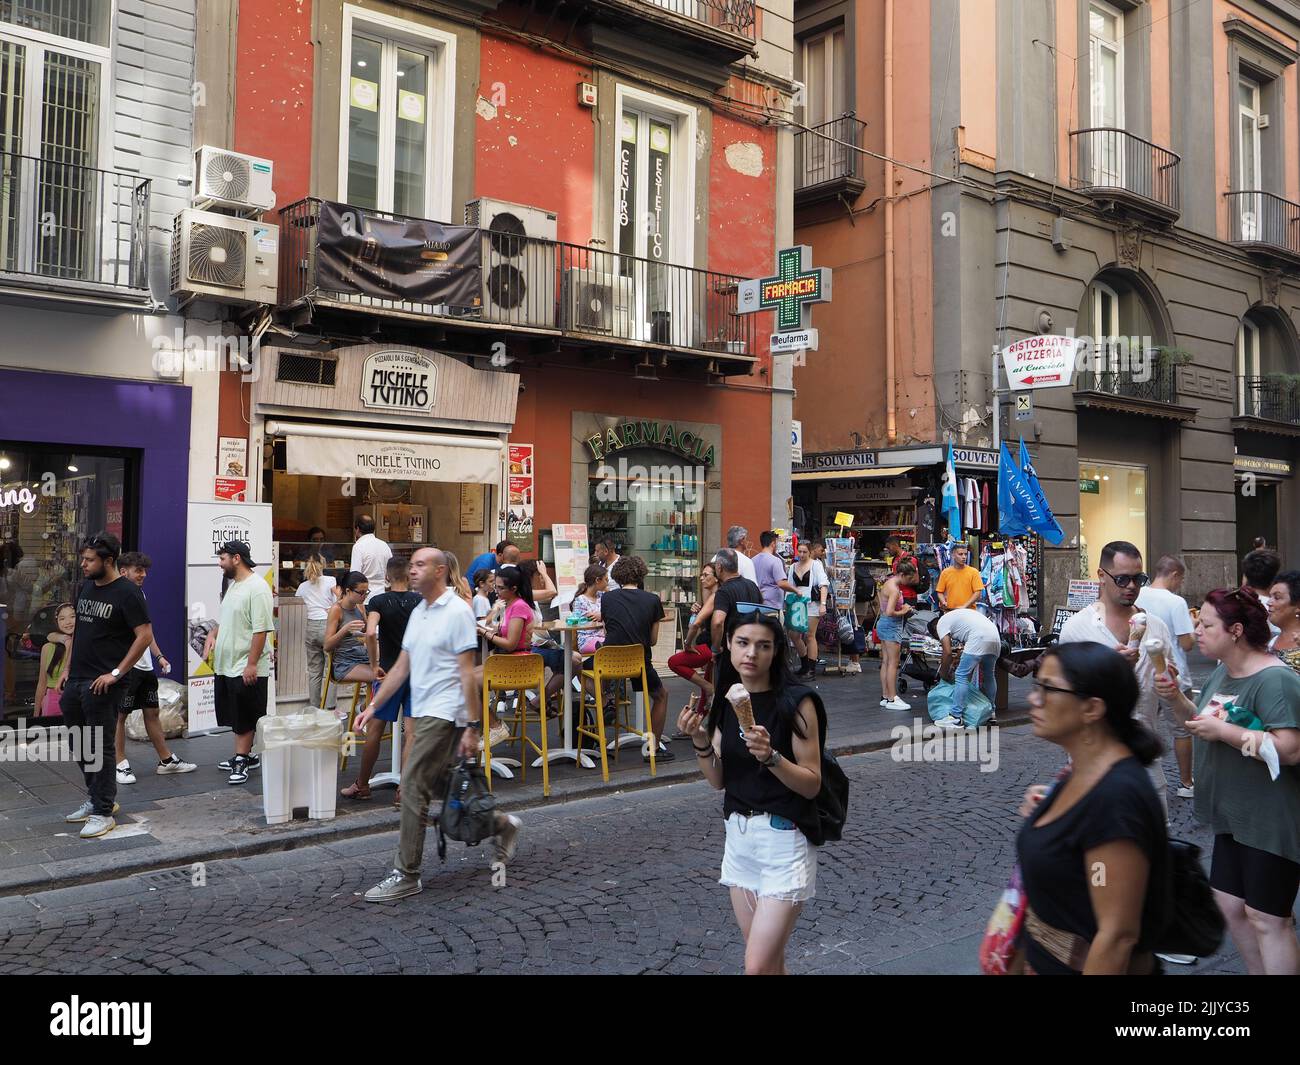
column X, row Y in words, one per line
column 891, row 384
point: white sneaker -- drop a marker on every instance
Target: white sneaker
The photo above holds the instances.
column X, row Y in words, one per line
column 124, row 774
column 1186, row 793
column 507, row 839
column 897, row 704
column 949, row 722
column 97, row 825
column 1178, row 959
column 177, row 765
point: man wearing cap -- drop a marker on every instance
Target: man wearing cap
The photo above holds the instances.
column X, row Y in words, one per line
column 241, row 654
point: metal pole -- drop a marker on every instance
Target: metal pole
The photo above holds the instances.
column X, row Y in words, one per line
column 997, row 405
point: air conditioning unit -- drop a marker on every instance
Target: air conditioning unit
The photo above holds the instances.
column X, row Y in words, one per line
column 597, row 303
column 230, row 179
column 519, row 253
column 219, row 257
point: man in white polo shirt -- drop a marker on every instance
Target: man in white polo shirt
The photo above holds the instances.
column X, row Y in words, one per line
column 438, row 658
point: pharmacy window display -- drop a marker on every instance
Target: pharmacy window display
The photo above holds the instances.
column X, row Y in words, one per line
column 51, row 499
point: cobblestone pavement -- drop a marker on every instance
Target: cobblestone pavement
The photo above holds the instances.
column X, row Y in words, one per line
column 615, row 884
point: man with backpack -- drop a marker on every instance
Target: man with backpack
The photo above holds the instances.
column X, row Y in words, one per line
column 437, row 659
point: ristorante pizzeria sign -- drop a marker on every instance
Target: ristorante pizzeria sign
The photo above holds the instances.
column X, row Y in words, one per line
column 650, row 434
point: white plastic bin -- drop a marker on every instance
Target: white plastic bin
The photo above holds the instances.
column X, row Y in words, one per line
column 300, row 757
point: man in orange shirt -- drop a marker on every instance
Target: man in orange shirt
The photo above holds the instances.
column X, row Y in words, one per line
column 959, row 585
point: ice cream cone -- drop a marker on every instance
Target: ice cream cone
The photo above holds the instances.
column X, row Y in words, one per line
column 741, row 705
column 1137, row 629
column 1155, row 650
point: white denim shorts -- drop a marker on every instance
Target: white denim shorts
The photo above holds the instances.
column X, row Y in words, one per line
column 769, row 862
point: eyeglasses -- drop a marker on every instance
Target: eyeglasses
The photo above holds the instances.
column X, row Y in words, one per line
column 758, row 608
column 1140, row 580
column 1041, row 688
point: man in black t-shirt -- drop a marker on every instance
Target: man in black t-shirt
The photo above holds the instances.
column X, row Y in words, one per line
column 112, row 633
column 386, row 618
column 631, row 615
column 732, row 589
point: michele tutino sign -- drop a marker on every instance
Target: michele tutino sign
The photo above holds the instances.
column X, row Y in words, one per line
column 660, row 435
column 403, row 381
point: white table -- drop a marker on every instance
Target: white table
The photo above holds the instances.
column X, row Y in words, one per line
column 568, row 641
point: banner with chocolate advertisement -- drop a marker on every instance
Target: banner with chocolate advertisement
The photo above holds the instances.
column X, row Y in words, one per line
column 409, row 259
column 519, row 498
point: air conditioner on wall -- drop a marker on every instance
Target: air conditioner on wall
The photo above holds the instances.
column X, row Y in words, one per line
column 232, row 179
column 597, row 303
column 518, row 263
column 218, row 257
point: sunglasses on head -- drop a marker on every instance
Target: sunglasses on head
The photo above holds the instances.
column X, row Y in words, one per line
column 758, row 608
column 1138, row 580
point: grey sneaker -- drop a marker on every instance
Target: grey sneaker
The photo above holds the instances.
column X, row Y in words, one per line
column 98, row 825
column 176, row 765
column 396, row 885
column 507, row 839
column 83, row 812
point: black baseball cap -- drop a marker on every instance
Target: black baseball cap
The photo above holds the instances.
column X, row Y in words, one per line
column 240, row 548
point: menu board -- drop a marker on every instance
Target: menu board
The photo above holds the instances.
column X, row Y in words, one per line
column 839, row 570
column 572, row 554
column 519, row 498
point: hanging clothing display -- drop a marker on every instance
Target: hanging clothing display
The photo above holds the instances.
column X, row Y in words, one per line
column 970, row 496
column 1004, row 567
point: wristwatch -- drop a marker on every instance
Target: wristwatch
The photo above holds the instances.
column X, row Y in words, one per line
column 773, row 760
column 477, row 726
column 116, row 673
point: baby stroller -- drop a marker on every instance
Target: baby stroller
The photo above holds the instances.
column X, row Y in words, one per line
column 921, row 653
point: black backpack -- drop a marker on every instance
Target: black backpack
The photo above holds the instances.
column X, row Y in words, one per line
column 833, row 799
column 1194, row 924
column 469, row 812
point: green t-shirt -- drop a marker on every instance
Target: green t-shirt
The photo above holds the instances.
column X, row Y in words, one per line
column 245, row 611
column 1234, row 794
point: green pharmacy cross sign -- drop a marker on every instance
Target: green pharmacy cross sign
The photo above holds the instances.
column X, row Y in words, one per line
column 797, row 284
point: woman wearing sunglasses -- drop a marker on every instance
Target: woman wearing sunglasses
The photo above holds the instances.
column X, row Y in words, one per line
column 770, row 775
column 1105, row 816
column 1255, row 871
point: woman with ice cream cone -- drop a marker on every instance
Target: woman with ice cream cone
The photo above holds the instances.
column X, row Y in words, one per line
column 1247, row 765
column 761, row 746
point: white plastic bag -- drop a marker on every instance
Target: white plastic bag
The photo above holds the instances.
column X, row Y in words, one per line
column 171, row 713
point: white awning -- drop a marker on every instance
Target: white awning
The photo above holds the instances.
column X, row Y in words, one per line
column 340, row 451
column 852, row 475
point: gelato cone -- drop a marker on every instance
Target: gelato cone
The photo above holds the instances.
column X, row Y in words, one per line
column 1137, row 628
column 1155, row 650
column 740, row 704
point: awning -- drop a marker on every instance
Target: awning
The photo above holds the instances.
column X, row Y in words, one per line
column 852, row 475
column 340, row 451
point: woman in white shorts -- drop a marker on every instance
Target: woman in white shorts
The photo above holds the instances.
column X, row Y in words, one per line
column 770, row 775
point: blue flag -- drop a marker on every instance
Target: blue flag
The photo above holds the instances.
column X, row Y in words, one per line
column 949, row 506
column 1022, row 505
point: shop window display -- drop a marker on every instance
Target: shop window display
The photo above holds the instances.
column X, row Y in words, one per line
column 1112, row 506
column 50, row 500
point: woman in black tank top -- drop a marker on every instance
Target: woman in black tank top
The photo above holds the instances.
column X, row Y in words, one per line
column 770, row 776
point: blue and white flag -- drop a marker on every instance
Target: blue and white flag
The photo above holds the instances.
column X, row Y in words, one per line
column 1022, row 505
column 949, row 504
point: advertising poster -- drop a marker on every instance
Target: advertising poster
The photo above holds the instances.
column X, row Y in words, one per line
column 572, row 554
column 231, row 489
column 232, row 456
column 210, row 525
column 839, row 570
column 519, row 498
column 1082, row 594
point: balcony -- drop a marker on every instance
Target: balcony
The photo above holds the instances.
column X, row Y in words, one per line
column 826, row 166
column 582, row 299
column 1264, row 224
column 73, row 232
column 1269, row 404
column 1140, row 385
column 694, row 40
column 1114, row 166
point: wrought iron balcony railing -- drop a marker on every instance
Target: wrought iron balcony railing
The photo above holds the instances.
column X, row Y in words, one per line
column 71, row 227
column 826, row 159
column 733, row 16
column 526, row 283
column 1150, row 378
column 1115, row 163
column 1263, row 221
column 1272, row 398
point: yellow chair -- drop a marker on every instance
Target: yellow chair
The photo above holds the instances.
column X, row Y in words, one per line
column 360, row 694
column 516, row 673
column 618, row 664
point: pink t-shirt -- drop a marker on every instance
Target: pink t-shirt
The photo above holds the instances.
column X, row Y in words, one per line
column 517, row 609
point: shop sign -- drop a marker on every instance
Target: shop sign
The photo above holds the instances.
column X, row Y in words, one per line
column 838, row 460
column 232, row 456
column 519, row 499
column 330, row 457
column 1252, row 464
column 975, row 456
column 18, row 497
column 1062, row 615
column 1041, row 361
column 1082, row 594
column 796, row 340
column 796, row 442
column 791, row 292
column 651, row 434
column 1089, row 486
column 403, row 381
column 875, row 490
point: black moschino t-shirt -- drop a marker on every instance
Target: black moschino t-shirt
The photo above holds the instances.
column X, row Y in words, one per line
column 106, row 622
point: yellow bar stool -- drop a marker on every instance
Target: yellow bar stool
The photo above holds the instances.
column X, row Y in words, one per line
column 516, row 673
column 618, row 664
column 360, row 694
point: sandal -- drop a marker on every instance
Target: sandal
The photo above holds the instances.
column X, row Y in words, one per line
column 356, row 791
column 397, row 799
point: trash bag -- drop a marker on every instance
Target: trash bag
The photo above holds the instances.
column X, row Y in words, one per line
column 938, row 702
column 171, row 713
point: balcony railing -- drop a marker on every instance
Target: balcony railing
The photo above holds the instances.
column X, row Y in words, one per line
column 733, row 16
column 1150, row 378
column 1115, row 163
column 826, row 161
column 73, row 228
column 1272, row 398
column 539, row 285
column 1263, row 221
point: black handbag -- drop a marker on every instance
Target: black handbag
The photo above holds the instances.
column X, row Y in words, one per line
column 1194, row 924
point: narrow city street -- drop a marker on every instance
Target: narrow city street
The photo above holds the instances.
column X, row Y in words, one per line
column 616, row 884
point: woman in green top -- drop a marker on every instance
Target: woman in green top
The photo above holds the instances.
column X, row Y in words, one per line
column 1255, row 871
